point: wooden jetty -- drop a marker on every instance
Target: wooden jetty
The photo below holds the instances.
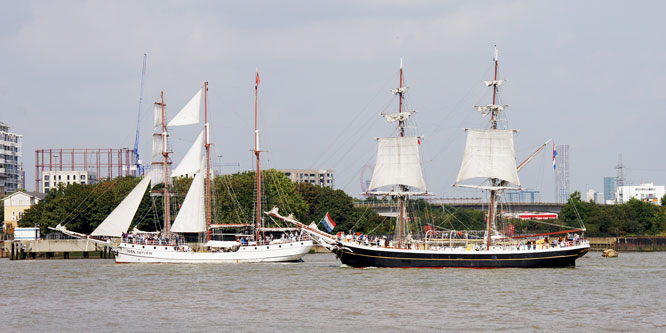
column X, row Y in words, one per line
column 56, row 249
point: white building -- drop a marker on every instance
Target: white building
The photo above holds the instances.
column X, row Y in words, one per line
column 318, row 177
column 11, row 165
column 644, row 192
column 594, row 196
column 51, row 179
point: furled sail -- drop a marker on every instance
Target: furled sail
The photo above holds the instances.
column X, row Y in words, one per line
column 157, row 122
column 158, row 144
column 120, row 218
column 397, row 116
column 191, row 217
column 191, row 162
column 156, row 174
column 158, row 135
column 189, row 114
column 398, row 163
column 489, row 154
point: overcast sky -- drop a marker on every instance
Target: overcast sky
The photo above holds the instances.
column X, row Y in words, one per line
column 586, row 73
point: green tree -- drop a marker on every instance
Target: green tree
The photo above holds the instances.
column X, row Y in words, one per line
column 341, row 207
column 235, row 198
column 80, row 207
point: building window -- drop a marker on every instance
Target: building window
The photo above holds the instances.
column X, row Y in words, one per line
column 83, row 177
column 46, row 177
column 67, row 179
column 59, row 177
column 46, row 184
column 74, row 177
column 83, row 182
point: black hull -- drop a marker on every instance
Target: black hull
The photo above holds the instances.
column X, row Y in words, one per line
column 378, row 257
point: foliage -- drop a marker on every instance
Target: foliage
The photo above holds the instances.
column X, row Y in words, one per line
column 448, row 217
column 80, row 207
column 340, row 206
column 83, row 207
column 633, row 218
column 235, row 199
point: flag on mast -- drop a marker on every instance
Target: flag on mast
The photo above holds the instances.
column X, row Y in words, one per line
column 328, row 222
column 257, row 80
column 554, row 155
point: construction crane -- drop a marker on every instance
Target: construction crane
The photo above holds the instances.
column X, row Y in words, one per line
column 138, row 168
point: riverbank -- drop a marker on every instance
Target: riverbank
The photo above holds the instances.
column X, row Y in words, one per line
column 634, row 243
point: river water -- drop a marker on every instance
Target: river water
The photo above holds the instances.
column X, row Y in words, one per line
column 600, row 294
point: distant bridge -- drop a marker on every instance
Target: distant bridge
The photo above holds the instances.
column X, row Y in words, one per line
column 391, row 208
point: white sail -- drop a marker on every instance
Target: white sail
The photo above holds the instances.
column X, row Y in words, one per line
column 489, row 154
column 120, row 218
column 157, row 122
column 191, row 217
column 191, row 162
column 398, row 163
column 158, row 145
column 189, row 114
column 156, row 174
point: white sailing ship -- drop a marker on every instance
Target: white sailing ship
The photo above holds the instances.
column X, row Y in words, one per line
column 194, row 216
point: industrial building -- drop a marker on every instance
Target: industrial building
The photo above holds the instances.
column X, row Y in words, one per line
column 80, row 165
column 644, row 192
column 318, row 177
column 11, row 164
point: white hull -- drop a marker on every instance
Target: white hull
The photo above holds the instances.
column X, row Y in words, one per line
column 138, row 253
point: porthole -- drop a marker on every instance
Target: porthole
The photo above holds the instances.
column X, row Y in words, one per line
column 291, row 244
column 132, row 245
column 255, row 247
column 143, row 246
column 301, row 243
column 154, row 247
column 279, row 246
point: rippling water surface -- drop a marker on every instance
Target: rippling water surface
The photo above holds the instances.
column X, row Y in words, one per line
column 600, row 294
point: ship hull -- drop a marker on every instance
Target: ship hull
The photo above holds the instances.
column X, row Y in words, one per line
column 365, row 256
column 137, row 253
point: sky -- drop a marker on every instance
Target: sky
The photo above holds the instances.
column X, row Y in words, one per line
column 585, row 73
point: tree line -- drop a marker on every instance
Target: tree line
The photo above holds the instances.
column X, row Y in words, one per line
column 83, row 207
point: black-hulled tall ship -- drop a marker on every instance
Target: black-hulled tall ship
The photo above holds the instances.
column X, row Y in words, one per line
column 489, row 155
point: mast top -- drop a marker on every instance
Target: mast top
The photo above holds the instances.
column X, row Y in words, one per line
column 494, row 109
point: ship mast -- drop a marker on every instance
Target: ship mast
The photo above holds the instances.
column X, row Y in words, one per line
column 492, row 213
column 256, row 153
column 401, row 125
column 165, row 155
column 207, row 146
